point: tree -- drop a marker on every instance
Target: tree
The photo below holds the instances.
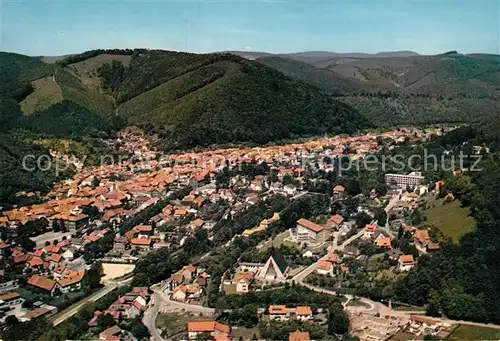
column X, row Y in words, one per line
column 123, row 290
column 94, row 275
column 460, row 185
column 351, row 205
column 380, row 216
column 141, row 279
column 27, row 331
column 139, row 330
column 416, row 217
column 56, row 225
column 25, row 242
column 11, row 320
column 287, row 179
column 104, row 321
column 362, row 219
column 95, row 182
column 338, row 320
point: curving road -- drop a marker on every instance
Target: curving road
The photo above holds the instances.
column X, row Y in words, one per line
column 189, row 307
column 159, row 300
column 149, row 318
column 373, row 306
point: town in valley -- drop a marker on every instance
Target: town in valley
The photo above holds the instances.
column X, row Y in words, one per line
column 293, row 221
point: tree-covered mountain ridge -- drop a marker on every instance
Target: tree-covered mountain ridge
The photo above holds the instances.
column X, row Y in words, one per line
column 405, row 89
column 187, row 99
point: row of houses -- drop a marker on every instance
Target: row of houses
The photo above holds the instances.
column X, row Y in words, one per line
column 63, row 282
column 126, row 307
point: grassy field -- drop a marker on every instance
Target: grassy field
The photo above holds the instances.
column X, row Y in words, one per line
column 278, row 240
column 47, row 92
column 87, row 70
column 357, row 303
column 453, row 220
column 469, row 333
column 244, row 333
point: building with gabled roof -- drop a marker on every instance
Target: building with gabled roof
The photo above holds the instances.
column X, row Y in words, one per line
column 421, row 237
column 304, row 313
column 405, row 262
column 324, row 267
column 299, row 336
column 335, row 222
column 217, row 330
column 44, row 283
column 10, row 299
column 278, row 312
column 310, row 233
column 275, row 269
column 110, row 334
column 243, row 281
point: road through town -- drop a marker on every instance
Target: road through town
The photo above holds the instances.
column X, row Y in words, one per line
column 75, row 308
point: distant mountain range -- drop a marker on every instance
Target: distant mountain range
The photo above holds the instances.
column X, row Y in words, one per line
column 238, row 95
column 393, row 88
column 318, row 56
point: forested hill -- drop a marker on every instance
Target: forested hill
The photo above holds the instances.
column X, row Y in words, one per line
column 408, row 89
column 217, row 98
column 188, row 99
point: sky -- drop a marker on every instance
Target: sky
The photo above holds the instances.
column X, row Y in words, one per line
column 281, row 26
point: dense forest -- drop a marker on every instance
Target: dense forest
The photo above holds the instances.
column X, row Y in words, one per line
column 191, row 99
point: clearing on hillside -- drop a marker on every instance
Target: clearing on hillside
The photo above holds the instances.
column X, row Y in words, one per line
column 452, row 219
column 466, row 333
column 86, row 70
column 47, row 92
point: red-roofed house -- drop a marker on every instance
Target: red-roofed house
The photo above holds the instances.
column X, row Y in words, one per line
column 324, row 267
column 304, row 313
column 335, row 222
column 299, row 336
column 44, row 283
column 215, row 329
column 141, row 244
column 278, row 312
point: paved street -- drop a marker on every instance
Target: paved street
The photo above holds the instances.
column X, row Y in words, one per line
column 73, row 309
column 149, row 318
column 179, row 305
